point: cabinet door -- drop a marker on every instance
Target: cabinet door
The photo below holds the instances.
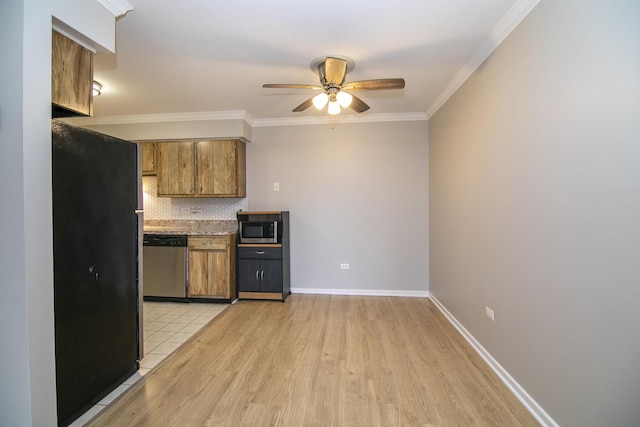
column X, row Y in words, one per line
column 198, row 280
column 71, row 75
column 216, row 168
column 249, row 275
column 175, row 167
column 148, row 154
column 209, row 274
column 257, row 275
column 271, row 276
column 241, row 169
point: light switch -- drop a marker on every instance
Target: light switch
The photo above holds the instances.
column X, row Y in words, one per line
column 276, row 186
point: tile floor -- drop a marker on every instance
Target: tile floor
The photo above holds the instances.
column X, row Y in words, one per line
column 166, row 326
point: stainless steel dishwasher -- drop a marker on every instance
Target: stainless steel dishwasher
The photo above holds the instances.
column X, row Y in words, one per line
column 164, row 261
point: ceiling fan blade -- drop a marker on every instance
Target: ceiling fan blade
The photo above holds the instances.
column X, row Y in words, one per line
column 358, row 105
column 333, row 70
column 306, row 104
column 290, row 86
column 378, row 84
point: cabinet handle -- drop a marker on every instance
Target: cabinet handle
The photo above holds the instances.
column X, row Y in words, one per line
column 200, row 188
column 262, row 275
column 260, row 252
column 257, row 278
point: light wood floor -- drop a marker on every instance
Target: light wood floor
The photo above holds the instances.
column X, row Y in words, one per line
column 320, row 360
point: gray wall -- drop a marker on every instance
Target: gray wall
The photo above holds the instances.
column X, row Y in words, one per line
column 27, row 370
column 535, row 205
column 27, row 365
column 357, row 195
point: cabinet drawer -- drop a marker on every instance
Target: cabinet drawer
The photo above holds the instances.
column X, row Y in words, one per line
column 260, row 253
column 208, row 243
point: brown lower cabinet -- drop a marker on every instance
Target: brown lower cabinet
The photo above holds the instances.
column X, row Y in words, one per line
column 212, row 267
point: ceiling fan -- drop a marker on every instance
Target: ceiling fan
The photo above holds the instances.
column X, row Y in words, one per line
column 332, row 71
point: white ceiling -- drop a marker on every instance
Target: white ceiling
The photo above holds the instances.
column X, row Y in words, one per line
column 213, row 56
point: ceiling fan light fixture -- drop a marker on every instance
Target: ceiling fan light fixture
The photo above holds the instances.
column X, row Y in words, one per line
column 332, row 71
column 320, row 100
column 334, row 108
column 344, row 99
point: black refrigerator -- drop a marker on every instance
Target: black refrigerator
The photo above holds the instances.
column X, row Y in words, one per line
column 95, row 259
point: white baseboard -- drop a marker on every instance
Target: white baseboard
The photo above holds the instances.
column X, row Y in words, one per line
column 361, row 292
column 532, row 406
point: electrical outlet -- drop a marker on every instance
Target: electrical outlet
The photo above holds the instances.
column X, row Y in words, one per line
column 344, row 266
column 276, row 186
column 489, row 313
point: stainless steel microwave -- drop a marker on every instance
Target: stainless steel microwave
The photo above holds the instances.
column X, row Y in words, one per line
column 258, row 231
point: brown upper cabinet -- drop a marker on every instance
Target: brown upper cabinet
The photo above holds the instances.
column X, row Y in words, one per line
column 148, row 153
column 211, row 168
column 71, row 77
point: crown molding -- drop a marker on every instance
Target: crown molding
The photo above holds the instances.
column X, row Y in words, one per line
column 164, row 117
column 243, row 115
column 116, row 7
column 507, row 24
column 323, row 120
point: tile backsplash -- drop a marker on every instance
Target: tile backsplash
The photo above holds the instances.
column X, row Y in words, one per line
column 188, row 208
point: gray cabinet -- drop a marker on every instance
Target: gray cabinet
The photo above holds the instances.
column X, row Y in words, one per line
column 261, row 273
column 263, row 268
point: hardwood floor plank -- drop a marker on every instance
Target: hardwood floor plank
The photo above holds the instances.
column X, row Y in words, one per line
column 319, row 360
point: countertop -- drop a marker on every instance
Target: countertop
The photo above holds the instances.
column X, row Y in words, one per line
column 191, row 227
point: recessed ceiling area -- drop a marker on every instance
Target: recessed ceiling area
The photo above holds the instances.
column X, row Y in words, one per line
column 213, row 56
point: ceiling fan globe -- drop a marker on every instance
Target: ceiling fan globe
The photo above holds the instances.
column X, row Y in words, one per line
column 320, row 100
column 344, row 99
column 334, row 108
